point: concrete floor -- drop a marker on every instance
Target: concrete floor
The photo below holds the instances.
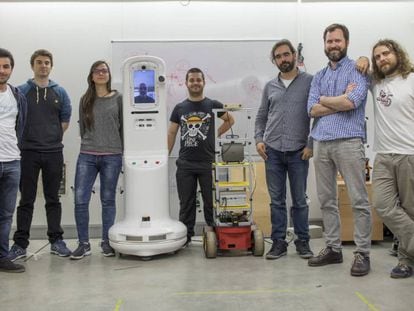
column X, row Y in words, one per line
column 189, row 281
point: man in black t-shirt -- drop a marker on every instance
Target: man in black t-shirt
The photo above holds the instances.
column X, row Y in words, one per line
column 194, row 117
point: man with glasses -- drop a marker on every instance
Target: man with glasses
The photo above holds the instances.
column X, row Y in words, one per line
column 48, row 116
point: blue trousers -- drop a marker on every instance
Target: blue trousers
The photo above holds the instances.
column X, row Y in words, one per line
column 9, row 184
column 279, row 166
column 87, row 168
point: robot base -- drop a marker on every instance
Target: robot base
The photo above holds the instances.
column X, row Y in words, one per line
column 234, row 238
column 148, row 249
column 246, row 238
column 149, row 238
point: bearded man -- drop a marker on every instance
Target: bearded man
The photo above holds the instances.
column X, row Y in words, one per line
column 337, row 99
column 281, row 133
column 393, row 184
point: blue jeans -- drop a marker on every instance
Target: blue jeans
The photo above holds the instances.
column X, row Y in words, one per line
column 87, row 169
column 9, row 184
column 279, row 166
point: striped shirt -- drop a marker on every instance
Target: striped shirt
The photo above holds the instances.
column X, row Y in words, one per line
column 333, row 82
column 282, row 121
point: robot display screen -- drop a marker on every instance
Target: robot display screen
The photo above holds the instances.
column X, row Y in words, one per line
column 144, row 86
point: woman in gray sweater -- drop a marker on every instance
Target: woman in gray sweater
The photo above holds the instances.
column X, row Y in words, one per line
column 100, row 121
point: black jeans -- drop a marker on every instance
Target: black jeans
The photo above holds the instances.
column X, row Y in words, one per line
column 51, row 164
column 188, row 173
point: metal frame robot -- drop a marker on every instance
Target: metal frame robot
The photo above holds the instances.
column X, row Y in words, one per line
column 233, row 190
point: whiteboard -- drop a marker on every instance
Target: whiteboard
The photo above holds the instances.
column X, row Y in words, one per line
column 235, row 70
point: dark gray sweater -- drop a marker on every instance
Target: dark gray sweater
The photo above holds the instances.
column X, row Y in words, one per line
column 106, row 134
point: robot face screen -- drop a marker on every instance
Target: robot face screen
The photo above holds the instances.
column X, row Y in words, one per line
column 144, row 86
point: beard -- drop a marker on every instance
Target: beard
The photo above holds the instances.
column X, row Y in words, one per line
column 389, row 69
column 336, row 54
column 195, row 92
column 286, row 66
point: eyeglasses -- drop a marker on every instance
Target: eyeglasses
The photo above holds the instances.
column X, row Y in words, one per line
column 102, row 71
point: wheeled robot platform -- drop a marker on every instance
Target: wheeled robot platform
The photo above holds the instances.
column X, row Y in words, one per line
column 219, row 239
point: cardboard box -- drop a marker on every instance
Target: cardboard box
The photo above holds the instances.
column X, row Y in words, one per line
column 261, row 201
column 347, row 219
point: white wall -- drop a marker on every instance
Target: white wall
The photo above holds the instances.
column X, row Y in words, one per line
column 79, row 33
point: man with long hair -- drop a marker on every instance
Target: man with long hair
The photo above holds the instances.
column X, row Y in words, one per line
column 393, row 183
column 48, row 116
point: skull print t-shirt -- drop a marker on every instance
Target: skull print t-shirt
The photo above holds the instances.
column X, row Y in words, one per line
column 196, row 122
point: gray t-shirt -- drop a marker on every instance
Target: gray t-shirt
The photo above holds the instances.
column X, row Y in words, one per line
column 106, row 134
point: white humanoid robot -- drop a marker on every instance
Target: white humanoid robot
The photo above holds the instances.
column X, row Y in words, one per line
column 147, row 228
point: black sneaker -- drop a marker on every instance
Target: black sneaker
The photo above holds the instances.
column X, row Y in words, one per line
column 361, row 264
column 401, row 271
column 303, row 249
column 84, row 249
column 59, row 248
column 107, row 249
column 326, row 256
column 279, row 249
column 16, row 252
column 6, row 265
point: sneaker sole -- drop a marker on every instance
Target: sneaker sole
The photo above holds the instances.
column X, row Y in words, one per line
column 80, row 257
column 399, row 276
column 323, row 264
column 359, row 273
column 59, row 254
column 14, row 270
column 18, row 257
column 275, row 257
column 305, row 256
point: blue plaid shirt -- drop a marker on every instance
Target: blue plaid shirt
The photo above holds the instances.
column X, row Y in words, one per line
column 333, row 82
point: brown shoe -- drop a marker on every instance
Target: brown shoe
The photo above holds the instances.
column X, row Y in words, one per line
column 361, row 264
column 326, row 256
